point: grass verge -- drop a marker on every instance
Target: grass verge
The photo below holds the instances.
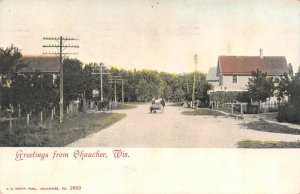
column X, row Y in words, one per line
column 203, row 112
column 262, row 125
column 267, row 144
column 57, row 135
column 176, row 104
column 121, row 106
column 272, row 116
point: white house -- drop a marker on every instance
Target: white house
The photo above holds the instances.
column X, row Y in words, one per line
column 233, row 72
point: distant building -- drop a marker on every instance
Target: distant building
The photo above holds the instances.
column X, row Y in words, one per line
column 43, row 64
column 212, row 78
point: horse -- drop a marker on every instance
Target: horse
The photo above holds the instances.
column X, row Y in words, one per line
column 156, row 105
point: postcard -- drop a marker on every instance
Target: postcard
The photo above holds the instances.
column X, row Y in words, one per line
column 149, row 96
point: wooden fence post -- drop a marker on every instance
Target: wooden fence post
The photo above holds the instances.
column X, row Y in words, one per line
column 241, row 109
column 10, row 124
column 27, row 119
column 52, row 114
column 19, row 111
column 231, row 108
column 41, row 117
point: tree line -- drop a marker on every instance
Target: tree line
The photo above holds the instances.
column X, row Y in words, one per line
column 37, row 91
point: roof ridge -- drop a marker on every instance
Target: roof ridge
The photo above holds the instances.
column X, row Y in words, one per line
column 38, row 56
column 246, row 64
column 247, row 56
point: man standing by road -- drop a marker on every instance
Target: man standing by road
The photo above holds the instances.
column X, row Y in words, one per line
column 163, row 103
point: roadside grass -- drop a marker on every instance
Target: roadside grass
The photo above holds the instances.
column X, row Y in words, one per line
column 56, row 135
column 176, row 104
column 136, row 103
column 203, row 111
column 121, row 106
column 267, row 144
column 272, row 116
column 262, row 125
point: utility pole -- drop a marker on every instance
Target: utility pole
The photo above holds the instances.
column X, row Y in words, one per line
column 101, row 85
column 193, row 94
column 123, row 91
column 113, row 80
column 186, row 86
column 101, row 75
column 117, row 80
column 61, row 46
column 115, row 91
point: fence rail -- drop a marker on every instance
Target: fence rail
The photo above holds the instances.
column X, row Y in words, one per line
column 246, row 108
column 9, row 118
column 232, row 109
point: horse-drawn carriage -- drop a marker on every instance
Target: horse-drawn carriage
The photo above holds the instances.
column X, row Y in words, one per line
column 157, row 105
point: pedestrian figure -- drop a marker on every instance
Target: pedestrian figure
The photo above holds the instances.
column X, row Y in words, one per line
column 163, row 103
column 153, row 101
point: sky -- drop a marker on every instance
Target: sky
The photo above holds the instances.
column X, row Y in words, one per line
column 159, row 35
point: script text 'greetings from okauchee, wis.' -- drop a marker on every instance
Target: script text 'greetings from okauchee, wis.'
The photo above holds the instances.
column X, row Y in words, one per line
column 76, row 154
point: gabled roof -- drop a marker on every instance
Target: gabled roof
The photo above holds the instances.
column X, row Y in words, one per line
column 212, row 74
column 243, row 65
column 44, row 64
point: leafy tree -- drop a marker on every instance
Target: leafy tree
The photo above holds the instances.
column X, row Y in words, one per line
column 260, row 87
column 10, row 64
column 74, row 79
column 167, row 84
column 284, row 87
column 202, row 91
column 34, row 92
column 243, row 97
column 290, row 112
column 179, row 94
column 148, row 85
column 294, row 89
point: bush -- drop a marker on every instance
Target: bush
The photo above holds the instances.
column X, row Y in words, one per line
column 289, row 113
column 252, row 109
column 230, row 96
column 203, row 104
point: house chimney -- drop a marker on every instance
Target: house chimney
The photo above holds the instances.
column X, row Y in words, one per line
column 261, row 53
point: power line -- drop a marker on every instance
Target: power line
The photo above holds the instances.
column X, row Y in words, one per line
column 61, row 46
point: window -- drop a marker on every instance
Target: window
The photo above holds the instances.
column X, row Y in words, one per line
column 234, row 79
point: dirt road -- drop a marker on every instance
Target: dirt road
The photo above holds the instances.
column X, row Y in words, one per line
column 173, row 129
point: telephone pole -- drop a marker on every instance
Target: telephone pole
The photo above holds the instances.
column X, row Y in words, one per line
column 61, row 46
column 187, row 87
column 117, row 80
column 101, row 75
column 193, row 94
column 123, row 91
